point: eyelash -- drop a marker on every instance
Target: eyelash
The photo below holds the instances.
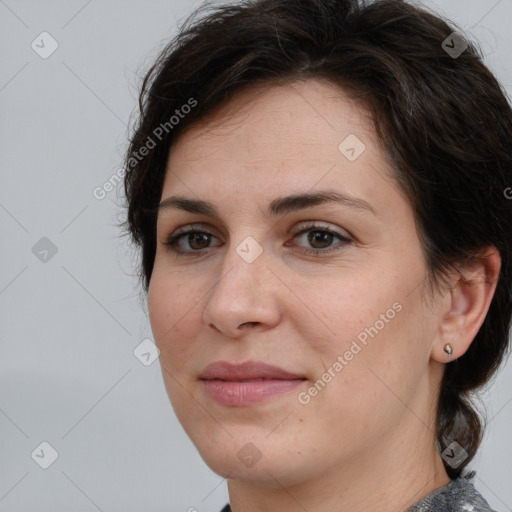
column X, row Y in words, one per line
column 173, row 240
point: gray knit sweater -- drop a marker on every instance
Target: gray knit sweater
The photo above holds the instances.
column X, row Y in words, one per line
column 459, row 495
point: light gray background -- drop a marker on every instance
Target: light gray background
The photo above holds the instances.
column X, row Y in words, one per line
column 69, row 326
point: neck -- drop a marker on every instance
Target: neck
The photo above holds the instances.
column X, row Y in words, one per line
column 393, row 474
column 358, row 489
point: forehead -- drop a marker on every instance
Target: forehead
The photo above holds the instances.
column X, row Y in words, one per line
column 308, row 112
column 292, row 137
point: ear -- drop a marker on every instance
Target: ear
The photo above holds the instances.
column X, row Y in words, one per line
column 466, row 302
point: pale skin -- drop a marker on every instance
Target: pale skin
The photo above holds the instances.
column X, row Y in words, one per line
column 367, row 440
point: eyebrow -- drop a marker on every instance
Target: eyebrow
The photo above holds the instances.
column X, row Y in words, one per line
column 278, row 206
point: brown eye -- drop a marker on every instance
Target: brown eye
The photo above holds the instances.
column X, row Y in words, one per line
column 191, row 242
column 320, row 240
column 198, row 240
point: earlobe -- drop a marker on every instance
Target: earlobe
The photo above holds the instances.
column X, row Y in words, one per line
column 467, row 302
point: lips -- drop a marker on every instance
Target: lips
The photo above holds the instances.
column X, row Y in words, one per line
column 246, row 372
column 246, row 384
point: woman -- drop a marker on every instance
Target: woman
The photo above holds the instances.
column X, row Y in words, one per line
column 318, row 189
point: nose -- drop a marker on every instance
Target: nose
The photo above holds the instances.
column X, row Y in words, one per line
column 245, row 297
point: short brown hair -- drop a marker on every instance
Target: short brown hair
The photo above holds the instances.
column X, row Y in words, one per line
column 444, row 121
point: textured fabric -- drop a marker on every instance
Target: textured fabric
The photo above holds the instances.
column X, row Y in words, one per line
column 459, row 495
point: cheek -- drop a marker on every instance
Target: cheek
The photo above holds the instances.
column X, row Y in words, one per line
column 370, row 320
column 359, row 389
column 334, row 310
column 173, row 311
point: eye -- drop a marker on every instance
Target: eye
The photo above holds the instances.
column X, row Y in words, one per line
column 193, row 241
column 191, row 238
column 321, row 238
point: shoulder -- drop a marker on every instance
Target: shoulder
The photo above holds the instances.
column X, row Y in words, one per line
column 459, row 495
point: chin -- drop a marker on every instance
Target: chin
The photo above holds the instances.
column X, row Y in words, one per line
column 259, row 462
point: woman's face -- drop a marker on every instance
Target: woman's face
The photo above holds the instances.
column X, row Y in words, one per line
column 327, row 290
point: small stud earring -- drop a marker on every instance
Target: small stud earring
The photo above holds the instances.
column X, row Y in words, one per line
column 448, row 350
